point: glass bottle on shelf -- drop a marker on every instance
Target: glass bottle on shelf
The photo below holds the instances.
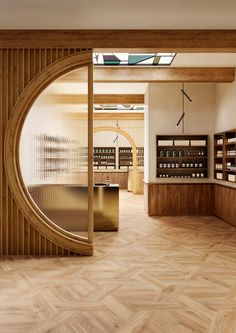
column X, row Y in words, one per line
column 107, row 181
column 181, row 153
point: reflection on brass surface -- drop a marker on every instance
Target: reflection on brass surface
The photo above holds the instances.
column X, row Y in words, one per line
column 69, row 206
column 106, row 208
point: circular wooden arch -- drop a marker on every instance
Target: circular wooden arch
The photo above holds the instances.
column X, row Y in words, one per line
column 11, row 153
column 134, row 149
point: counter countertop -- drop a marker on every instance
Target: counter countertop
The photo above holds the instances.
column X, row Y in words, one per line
column 72, row 185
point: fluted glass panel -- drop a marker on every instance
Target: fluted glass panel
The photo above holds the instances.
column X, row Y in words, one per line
column 54, row 155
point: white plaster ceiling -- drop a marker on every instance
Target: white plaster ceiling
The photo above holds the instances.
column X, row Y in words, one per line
column 122, row 14
column 204, row 60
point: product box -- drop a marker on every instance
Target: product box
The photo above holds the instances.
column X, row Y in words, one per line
column 219, row 175
column 232, row 140
column 165, row 142
column 198, row 142
column 231, row 178
column 181, row 142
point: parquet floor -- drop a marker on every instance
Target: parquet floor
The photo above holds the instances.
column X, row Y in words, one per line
column 156, row 275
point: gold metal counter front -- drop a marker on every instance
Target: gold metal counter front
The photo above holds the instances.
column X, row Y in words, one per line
column 69, row 205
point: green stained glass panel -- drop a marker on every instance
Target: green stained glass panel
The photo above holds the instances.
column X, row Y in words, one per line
column 136, row 58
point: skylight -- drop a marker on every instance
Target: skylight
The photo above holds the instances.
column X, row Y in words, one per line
column 101, row 107
column 133, row 59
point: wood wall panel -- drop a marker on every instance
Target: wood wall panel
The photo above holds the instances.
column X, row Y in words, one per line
column 17, row 68
column 120, row 178
column 180, row 199
column 225, row 203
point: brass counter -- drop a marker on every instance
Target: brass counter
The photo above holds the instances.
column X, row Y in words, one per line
column 66, row 205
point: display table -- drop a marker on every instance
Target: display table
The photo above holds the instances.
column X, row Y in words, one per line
column 67, row 205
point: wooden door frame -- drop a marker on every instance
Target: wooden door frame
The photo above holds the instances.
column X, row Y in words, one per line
column 134, row 148
column 43, row 225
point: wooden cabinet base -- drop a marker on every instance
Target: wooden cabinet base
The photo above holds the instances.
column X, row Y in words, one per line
column 120, row 178
column 225, row 203
column 179, row 199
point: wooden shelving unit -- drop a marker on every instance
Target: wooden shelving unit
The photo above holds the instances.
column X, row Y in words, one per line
column 225, row 156
column 104, row 158
column 140, row 156
column 182, row 156
column 125, row 157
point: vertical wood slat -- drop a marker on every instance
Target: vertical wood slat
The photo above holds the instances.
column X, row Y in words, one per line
column 1, row 151
column 90, row 153
column 17, row 68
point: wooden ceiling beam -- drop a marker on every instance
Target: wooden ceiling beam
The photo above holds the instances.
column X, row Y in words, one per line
column 109, row 116
column 98, row 98
column 162, row 40
column 118, row 116
column 156, row 74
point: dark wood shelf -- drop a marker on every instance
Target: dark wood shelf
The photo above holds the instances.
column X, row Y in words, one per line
column 184, row 157
column 181, row 169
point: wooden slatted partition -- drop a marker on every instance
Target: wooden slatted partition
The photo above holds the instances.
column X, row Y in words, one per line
column 18, row 67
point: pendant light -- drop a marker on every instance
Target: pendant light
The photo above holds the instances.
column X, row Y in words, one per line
column 181, row 119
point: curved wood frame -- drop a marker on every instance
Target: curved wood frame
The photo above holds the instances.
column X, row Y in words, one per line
column 43, row 225
column 134, row 147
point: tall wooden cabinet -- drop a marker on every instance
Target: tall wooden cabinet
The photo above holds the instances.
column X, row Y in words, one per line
column 225, row 156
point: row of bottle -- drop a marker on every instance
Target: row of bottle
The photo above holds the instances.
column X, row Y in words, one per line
column 219, row 141
column 180, row 165
column 103, row 162
column 231, row 152
column 181, row 153
column 104, row 157
column 104, row 150
column 193, row 175
column 125, row 151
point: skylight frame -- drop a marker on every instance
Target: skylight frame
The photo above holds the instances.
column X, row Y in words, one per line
column 113, row 58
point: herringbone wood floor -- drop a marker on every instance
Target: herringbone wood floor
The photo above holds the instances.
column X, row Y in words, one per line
column 156, row 275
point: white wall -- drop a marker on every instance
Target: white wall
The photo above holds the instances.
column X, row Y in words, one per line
column 165, row 108
column 225, row 118
column 105, row 139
